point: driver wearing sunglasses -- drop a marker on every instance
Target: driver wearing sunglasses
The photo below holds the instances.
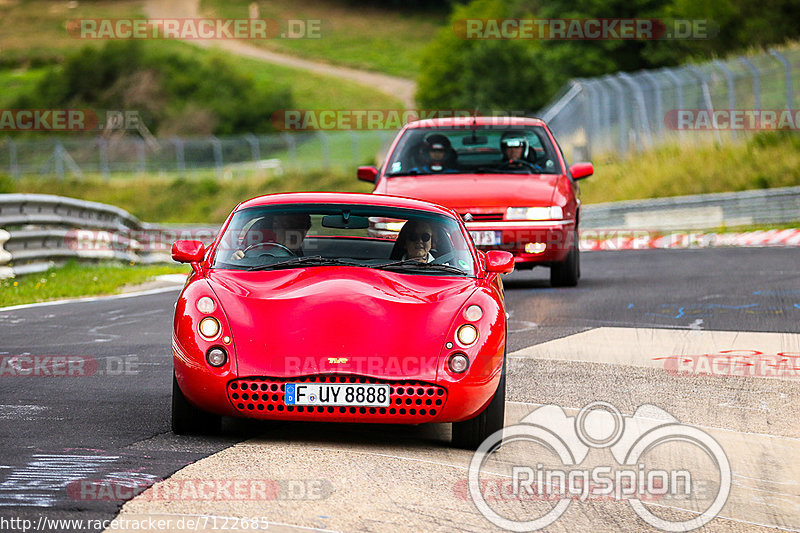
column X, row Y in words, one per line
column 417, row 241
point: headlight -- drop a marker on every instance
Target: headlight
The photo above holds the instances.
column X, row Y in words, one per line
column 473, row 313
column 216, row 357
column 209, row 327
column 467, row 334
column 553, row 212
column 206, row 305
column 458, row 363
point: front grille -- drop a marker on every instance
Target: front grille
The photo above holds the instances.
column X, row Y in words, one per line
column 263, row 397
column 486, row 217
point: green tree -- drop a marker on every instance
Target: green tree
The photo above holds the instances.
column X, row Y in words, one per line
column 526, row 74
column 175, row 92
column 483, row 74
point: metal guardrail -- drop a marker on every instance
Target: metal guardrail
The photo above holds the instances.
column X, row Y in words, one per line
column 702, row 211
column 38, row 230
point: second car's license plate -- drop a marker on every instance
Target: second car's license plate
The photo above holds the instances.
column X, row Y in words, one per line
column 337, row 394
column 486, row 238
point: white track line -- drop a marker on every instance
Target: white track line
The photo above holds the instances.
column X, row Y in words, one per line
column 93, row 298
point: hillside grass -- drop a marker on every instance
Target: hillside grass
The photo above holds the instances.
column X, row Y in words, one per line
column 364, row 37
column 33, row 31
column 315, row 91
column 201, row 199
column 34, row 39
column 763, row 161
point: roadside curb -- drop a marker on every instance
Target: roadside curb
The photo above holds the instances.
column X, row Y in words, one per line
column 614, row 240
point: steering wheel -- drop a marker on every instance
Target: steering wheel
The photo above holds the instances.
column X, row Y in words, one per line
column 532, row 166
column 277, row 245
column 444, row 259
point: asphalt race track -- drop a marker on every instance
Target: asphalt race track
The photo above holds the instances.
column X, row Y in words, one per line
column 620, row 337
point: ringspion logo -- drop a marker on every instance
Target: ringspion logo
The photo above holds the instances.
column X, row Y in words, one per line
column 546, row 457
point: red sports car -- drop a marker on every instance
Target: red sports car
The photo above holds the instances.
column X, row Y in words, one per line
column 506, row 176
column 341, row 307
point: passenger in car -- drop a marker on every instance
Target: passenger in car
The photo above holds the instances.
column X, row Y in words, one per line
column 414, row 241
column 436, row 155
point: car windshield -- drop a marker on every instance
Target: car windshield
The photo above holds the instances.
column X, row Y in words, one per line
column 474, row 149
column 299, row 236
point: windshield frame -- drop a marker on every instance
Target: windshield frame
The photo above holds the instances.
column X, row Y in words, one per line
column 403, row 151
column 449, row 224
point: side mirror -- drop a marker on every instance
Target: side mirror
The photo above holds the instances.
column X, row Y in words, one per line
column 581, row 170
column 188, row 251
column 499, row 261
column 367, row 174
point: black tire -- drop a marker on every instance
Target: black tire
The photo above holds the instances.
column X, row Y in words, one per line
column 188, row 419
column 469, row 434
column 568, row 273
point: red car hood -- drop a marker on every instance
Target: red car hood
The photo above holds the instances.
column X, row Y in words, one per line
column 339, row 319
column 463, row 191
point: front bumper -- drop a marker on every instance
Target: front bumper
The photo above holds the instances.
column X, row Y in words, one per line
column 554, row 236
column 261, row 397
column 411, row 402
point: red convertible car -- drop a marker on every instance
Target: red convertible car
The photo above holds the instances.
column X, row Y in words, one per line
column 341, row 307
column 506, row 176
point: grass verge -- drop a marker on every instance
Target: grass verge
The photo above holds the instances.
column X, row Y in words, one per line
column 763, row 161
column 80, row 279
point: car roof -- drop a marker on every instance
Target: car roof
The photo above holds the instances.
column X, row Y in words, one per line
column 479, row 121
column 345, row 198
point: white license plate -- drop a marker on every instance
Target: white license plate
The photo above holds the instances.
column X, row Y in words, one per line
column 486, row 238
column 337, row 394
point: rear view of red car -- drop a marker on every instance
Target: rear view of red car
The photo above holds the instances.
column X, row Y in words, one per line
column 506, row 176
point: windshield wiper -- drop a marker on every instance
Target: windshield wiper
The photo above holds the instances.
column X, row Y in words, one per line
column 409, row 173
column 495, row 170
column 416, row 263
column 314, row 259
